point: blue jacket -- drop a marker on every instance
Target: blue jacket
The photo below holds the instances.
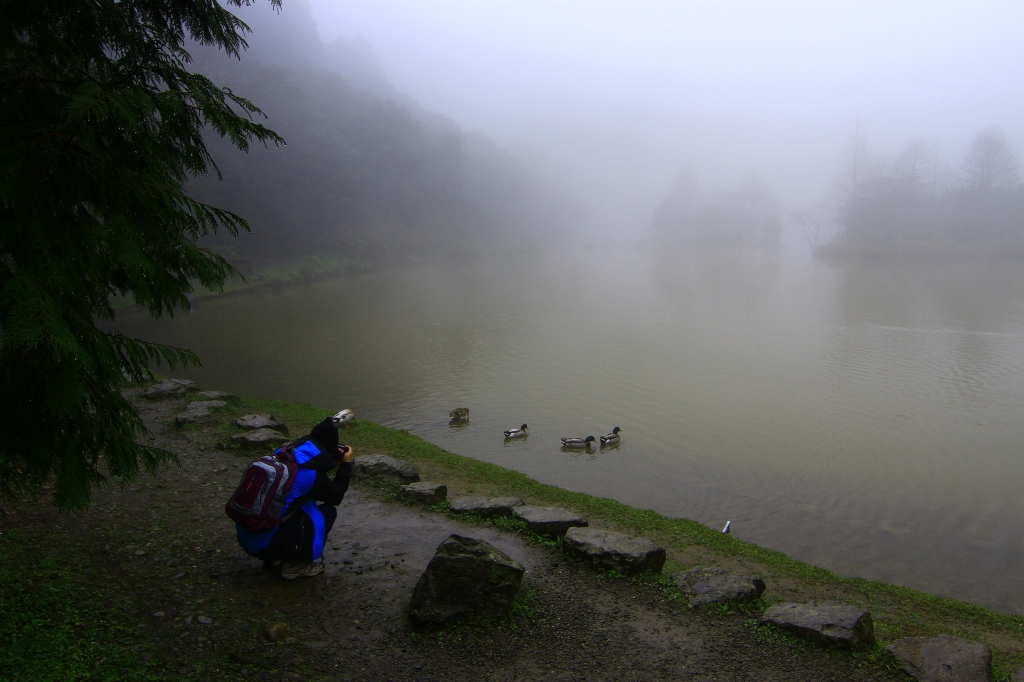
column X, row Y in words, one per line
column 305, row 488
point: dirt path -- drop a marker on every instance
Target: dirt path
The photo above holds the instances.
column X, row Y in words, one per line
column 165, row 549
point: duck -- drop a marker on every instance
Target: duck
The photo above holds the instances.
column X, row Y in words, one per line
column 611, row 438
column 344, row 417
column 459, row 414
column 521, row 432
column 578, row 442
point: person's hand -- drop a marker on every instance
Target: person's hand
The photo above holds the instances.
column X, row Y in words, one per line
column 346, row 452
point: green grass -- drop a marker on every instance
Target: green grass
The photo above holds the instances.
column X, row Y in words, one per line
column 55, row 622
column 897, row 611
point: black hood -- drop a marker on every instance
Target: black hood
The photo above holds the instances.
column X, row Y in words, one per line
column 325, row 436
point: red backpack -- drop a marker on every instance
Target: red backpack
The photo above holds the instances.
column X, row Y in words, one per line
column 257, row 503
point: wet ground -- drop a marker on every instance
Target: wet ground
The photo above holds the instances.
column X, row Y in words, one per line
column 165, row 548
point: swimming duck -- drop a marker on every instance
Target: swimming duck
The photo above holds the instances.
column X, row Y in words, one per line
column 611, row 438
column 577, row 442
column 344, row 417
column 459, row 414
column 521, row 432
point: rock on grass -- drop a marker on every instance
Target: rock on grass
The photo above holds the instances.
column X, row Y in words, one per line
column 426, row 493
column 824, row 622
column 251, row 422
column 485, row 506
column 713, row 585
column 549, row 520
column 260, row 437
column 384, row 468
column 943, row 659
column 608, row 550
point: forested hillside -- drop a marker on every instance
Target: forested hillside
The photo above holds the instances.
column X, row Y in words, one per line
column 366, row 173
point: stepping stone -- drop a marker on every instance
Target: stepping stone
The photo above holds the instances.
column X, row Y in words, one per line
column 427, row 493
column 260, row 437
column 206, row 404
column 384, row 468
column 610, row 551
column 220, row 395
column 169, row 388
column 466, row 579
column 824, row 622
column 944, row 659
column 485, row 506
column 261, row 421
column 198, row 412
column 198, row 416
column 713, row 585
column 549, row 520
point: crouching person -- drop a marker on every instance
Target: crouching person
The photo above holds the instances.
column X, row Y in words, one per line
column 276, row 511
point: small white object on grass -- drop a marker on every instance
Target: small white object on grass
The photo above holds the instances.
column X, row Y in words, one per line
column 728, row 527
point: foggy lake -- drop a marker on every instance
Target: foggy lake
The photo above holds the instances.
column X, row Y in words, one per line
column 863, row 417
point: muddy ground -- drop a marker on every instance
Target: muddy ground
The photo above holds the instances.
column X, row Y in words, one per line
column 165, row 548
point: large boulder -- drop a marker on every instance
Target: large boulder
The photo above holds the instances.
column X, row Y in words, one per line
column 466, row 579
column 549, row 520
column 384, row 468
column 713, row 585
column 485, row 506
column 169, row 388
column 426, row 493
column 824, row 622
column 251, row 422
column 943, row 659
column 260, row 437
column 610, row 551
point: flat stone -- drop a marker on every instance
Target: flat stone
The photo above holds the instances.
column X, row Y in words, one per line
column 169, row 388
column 485, row 506
column 261, row 421
column 199, row 415
column 549, row 520
column 713, row 585
column 466, row 579
column 824, row 622
column 944, row 659
column 608, row 550
column 427, row 493
column 204, row 620
column 1017, row 676
column 206, row 405
column 260, row 437
column 384, row 468
column 220, row 395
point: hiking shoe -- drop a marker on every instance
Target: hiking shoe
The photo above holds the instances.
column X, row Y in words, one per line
column 293, row 571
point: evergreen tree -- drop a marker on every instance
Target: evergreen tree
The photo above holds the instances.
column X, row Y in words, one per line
column 101, row 124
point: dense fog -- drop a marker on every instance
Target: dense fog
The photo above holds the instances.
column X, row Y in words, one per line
column 458, row 126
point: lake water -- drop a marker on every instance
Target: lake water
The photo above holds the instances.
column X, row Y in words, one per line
column 867, row 418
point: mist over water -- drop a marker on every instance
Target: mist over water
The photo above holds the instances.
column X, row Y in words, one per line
column 778, row 244
column 862, row 417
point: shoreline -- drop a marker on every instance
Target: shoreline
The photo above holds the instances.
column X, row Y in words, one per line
column 120, row 582
column 898, row 611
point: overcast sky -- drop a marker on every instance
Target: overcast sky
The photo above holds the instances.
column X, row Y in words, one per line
column 619, row 96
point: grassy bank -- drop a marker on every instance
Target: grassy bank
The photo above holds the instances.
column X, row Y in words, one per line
column 897, row 611
column 79, row 594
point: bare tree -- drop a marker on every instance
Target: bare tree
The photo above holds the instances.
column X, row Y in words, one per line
column 991, row 163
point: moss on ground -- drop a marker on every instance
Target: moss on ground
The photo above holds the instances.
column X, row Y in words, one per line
column 897, row 611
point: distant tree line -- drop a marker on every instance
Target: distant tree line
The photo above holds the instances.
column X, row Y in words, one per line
column 745, row 216
column 911, row 203
column 367, row 175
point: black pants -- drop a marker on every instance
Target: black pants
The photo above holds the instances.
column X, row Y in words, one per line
column 293, row 540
